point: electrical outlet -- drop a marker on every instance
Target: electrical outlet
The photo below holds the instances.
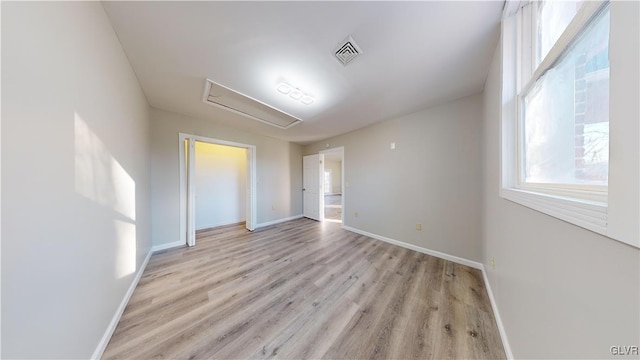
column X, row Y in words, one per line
column 273, row 207
column 419, row 227
column 492, row 261
column 355, row 214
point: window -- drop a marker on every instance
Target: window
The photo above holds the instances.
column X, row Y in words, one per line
column 569, row 71
column 328, row 189
column 552, row 17
column 564, row 129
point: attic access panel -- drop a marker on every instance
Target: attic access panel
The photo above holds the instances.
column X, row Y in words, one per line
column 222, row 97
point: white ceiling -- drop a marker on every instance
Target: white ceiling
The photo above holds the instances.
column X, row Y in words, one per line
column 416, row 55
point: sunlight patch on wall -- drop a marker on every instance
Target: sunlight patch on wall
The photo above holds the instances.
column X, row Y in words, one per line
column 125, row 248
column 99, row 176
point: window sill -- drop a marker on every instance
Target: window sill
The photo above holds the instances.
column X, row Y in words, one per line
column 590, row 215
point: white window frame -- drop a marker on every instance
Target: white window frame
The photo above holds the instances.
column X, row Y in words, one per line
column 604, row 212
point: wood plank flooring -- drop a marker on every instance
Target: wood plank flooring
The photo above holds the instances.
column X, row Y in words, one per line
column 333, row 208
column 304, row 290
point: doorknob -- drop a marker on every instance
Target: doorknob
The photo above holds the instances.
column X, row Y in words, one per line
column 303, row 189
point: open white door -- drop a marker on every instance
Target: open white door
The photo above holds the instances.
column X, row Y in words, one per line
column 312, row 192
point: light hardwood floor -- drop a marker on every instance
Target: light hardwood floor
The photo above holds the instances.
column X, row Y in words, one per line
column 304, row 290
column 333, row 208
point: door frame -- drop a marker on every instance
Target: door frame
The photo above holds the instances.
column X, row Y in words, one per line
column 187, row 191
column 344, row 189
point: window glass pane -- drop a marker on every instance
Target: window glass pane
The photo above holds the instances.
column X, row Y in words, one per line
column 327, row 182
column 566, row 114
column 553, row 19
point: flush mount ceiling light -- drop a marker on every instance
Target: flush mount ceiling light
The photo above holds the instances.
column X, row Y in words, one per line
column 307, row 100
column 295, row 93
column 284, row 88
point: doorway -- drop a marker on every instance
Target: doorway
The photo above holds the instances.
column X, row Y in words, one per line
column 187, row 151
column 220, row 185
column 333, row 168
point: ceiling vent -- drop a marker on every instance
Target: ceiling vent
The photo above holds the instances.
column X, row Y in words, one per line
column 222, row 97
column 347, row 51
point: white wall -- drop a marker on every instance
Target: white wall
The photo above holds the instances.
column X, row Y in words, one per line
column 562, row 291
column 75, row 179
column 336, row 175
column 431, row 178
column 220, row 183
column 279, row 171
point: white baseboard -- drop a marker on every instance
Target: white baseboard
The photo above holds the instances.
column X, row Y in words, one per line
column 102, row 345
column 167, row 246
column 211, row 226
column 269, row 223
column 455, row 259
column 496, row 314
